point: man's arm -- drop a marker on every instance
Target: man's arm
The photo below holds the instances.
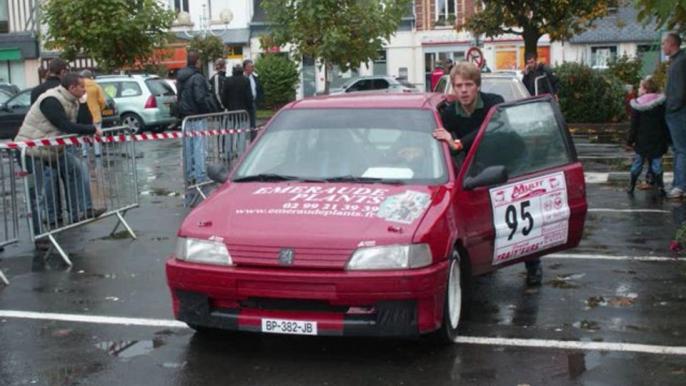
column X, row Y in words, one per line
column 678, row 77
column 53, row 110
column 248, row 95
column 201, row 94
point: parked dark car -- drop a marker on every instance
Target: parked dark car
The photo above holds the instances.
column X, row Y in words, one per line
column 9, row 88
column 12, row 113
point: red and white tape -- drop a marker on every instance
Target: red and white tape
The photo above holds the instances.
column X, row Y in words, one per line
column 118, row 138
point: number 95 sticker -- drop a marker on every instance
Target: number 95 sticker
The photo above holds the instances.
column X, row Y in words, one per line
column 529, row 216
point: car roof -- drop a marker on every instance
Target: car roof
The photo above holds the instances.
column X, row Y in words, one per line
column 130, row 76
column 370, row 100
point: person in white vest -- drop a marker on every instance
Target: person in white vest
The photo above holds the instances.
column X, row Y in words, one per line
column 54, row 114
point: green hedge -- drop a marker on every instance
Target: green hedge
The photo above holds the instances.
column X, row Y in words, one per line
column 590, row 96
column 279, row 77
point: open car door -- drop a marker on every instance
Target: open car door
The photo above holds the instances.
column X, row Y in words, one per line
column 521, row 191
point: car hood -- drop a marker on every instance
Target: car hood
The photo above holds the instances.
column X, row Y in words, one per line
column 321, row 223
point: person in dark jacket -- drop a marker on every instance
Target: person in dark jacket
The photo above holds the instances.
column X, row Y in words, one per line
column 675, row 107
column 649, row 135
column 237, row 95
column 463, row 118
column 194, row 92
column 194, row 98
column 56, row 70
column 538, row 73
column 217, row 82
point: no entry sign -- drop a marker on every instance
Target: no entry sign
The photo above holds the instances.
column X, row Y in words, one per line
column 475, row 56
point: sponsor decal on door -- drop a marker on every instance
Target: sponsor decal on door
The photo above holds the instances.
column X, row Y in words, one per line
column 529, row 216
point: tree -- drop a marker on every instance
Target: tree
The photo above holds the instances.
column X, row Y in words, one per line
column 210, row 48
column 560, row 19
column 345, row 33
column 666, row 13
column 279, row 77
column 116, row 33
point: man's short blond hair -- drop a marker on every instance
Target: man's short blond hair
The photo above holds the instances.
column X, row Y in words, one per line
column 466, row 70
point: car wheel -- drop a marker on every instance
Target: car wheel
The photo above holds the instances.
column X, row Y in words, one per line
column 133, row 121
column 454, row 300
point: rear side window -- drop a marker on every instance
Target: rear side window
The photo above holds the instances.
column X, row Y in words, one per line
column 380, row 84
column 129, row 89
column 525, row 138
column 159, row 87
column 110, row 88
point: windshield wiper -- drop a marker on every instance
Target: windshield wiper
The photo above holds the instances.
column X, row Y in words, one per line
column 365, row 180
column 267, row 177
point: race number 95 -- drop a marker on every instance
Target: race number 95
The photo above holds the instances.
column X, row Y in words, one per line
column 513, row 218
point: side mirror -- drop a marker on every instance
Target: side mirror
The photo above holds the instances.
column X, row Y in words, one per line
column 492, row 175
column 217, row 173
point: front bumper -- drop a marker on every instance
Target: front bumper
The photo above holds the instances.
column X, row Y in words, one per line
column 393, row 303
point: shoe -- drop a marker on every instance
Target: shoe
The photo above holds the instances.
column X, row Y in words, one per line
column 632, row 184
column 675, row 193
column 42, row 245
column 92, row 213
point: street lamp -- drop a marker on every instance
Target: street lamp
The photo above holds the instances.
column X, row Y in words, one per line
column 205, row 22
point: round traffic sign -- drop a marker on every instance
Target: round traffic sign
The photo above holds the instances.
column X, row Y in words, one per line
column 475, row 56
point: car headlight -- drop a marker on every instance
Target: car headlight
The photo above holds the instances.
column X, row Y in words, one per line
column 202, row 251
column 391, row 257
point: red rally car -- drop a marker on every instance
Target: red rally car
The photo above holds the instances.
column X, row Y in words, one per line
column 346, row 217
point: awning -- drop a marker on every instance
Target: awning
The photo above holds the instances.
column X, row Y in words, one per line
column 10, row 54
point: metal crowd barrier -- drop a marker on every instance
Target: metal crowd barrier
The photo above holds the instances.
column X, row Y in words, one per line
column 68, row 186
column 9, row 208
column 225, row 145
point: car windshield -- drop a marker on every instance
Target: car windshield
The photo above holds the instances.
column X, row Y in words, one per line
column 348, row 145
column 510, row 89
column 159, row 87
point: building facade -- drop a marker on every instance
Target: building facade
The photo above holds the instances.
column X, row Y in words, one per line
column 19, row 44
column 617, row 34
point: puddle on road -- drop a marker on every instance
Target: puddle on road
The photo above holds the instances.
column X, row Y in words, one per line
column 116, row 236
column 581, row 362
column 588, row 325
column 130, row 348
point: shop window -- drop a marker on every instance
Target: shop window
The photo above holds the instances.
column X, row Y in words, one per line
column 234, row 52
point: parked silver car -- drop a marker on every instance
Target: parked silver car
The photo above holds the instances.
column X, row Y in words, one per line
column 143, row 100
column 376, row 83
column 507, row 85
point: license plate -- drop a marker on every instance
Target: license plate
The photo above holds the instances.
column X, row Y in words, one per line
column 295, row 327
column 107, row 112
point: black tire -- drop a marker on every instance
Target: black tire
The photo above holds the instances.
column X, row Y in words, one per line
column 134, row 121
column 455, row 301
column 158, row 129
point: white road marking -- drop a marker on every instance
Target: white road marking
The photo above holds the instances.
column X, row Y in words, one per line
column 575, row 345
column 93, row 319
column 535, row 343
column 608, row 210
column 610, row 257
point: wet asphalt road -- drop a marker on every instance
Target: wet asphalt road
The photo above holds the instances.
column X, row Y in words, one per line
column 592, row 299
